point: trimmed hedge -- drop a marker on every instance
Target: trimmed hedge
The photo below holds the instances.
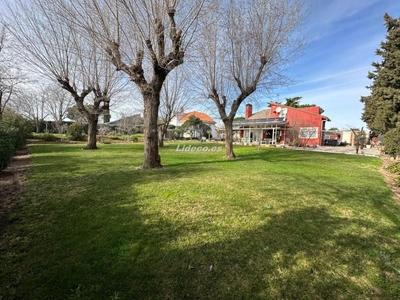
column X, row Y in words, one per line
column 7, row 145
column 14, row 131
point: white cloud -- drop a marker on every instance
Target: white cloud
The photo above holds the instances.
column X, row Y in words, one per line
column 319, row 78
column 328, row 12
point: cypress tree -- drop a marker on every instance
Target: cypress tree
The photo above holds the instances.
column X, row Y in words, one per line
column 382, row 107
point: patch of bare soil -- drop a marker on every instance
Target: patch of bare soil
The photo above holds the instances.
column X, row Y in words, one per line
column 12, row 180
column 390, row 178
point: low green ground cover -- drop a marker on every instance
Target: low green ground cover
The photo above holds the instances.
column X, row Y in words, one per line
column 272, row 224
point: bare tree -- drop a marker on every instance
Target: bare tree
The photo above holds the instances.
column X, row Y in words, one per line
column 175, row 96
column 57, row 102
column 57, row 50
column 31, row 105
column 146, row 40
column 359, row 138
column 10, row 76
column 130, row 123
column 245, row 47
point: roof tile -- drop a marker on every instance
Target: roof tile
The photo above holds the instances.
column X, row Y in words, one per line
column 202, row 116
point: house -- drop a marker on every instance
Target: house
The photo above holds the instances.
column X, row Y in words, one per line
column 280, row 124
column 181, row 117
column 126, row 125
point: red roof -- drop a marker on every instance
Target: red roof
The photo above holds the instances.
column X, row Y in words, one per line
column 303, row 109
column 202, row 116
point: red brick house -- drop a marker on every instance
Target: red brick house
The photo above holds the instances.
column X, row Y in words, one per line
column 280, row 124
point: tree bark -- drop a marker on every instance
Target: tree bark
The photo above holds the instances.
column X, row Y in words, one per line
column 229, row 139
column 59, row 126
column 1, row 105
column 161, row 137
column 152, row 158
column 92, row 132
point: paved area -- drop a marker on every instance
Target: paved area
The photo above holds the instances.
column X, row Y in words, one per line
column 345, row 149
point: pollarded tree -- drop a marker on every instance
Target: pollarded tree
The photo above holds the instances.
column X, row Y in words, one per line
column 144, row 39
column 382, row 107
column 56, row 50
column 245, row 46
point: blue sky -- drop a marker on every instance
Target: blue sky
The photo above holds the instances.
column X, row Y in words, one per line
column 332, row 73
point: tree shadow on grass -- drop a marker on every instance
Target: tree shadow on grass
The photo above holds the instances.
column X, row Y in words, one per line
column 73, row 223
column 104, row 243
column 299, row 254
column 305, row 254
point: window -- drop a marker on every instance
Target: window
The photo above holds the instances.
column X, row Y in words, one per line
column 308, row 132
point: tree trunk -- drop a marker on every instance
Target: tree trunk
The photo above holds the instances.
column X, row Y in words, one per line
column 107, row 117
column 161, row 138
column 1, row 105
column 58, row 124
column 163, row 132
column 92, row 132
column 152, row 158
column 37, row 125
column 229, row 139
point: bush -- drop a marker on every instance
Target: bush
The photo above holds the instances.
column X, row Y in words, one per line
column 7, row 145
column 75, row 132
column 391, row 141
column 47, row 137
column 14, row 131
column 134, row 138
column 394, row 168
column 20, row 127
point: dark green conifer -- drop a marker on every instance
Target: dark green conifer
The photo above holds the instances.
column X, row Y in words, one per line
column 382, row 107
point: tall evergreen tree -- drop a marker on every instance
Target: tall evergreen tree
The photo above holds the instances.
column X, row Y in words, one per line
column 382, row 107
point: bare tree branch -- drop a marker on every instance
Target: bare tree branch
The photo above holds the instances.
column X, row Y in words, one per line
column 244, row 47
column 62, row 52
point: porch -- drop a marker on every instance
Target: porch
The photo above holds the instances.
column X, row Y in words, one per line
column 269, row 131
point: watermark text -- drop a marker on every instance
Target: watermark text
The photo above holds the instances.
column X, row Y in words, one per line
column 191, row 148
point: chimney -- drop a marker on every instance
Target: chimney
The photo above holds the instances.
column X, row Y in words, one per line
column 249, row 111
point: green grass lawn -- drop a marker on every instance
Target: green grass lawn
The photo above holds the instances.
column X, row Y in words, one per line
column 272, row 224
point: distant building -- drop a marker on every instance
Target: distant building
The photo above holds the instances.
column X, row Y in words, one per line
column 349, row 136
column 181, row 117
column 127, row 125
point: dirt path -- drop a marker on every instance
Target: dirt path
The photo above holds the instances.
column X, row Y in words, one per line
column 12, row 181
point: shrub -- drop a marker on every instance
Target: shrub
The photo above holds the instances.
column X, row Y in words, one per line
column 7, row 145
column 394, row 168
column 14, row 131
column 47, row 137
column 391, row 141
column 20, row 127
column 134, row 138
column 75, row 132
